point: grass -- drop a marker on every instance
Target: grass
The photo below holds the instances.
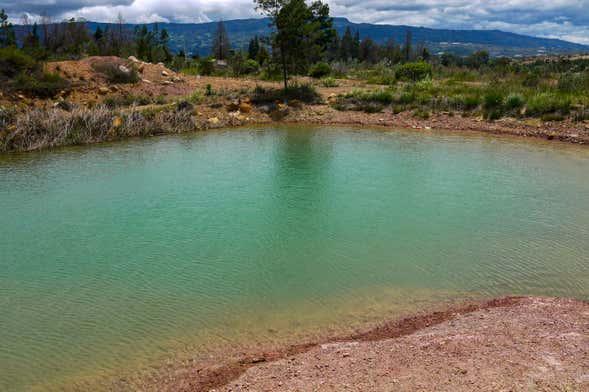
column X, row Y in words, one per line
column 329, row 82
column 493, row 93
column 38, row 128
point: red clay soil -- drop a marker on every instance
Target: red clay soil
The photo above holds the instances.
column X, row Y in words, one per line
column 511, row 344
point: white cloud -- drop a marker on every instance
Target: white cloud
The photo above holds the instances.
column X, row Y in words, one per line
column 566, row 19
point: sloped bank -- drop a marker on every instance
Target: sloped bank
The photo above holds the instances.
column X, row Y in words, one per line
column 513, row 343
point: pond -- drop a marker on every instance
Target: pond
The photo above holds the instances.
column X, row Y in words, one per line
column 117, row 257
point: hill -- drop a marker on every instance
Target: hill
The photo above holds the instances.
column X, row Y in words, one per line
column 197, row 38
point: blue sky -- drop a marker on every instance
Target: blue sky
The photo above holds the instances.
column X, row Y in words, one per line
column 565, row 19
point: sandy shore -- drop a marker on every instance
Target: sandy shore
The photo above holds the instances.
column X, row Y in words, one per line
column 509, row 344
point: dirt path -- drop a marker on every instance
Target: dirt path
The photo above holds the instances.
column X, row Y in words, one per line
column 513, row 344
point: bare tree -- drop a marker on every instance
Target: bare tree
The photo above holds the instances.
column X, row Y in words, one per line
column 221, row 43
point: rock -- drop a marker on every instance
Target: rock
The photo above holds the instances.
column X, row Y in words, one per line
column 332, row 99
column 21, row 97
column 213, row 121
column 141, row 68
column 167, row 82
column 114, row 88
column 146, row 81
column 165, row 73
column 295, row 103
column 280, row 112
column 124, row 70
column 161, row 64
column 246, row 100
column 133, row 59
column 176, row 79
column 103, row 90
column 117, row 122
column 245, row 107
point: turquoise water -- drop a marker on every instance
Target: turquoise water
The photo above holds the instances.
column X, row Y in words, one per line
column 118, row 257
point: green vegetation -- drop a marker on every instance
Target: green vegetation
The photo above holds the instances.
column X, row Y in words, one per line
column 414, row 71
column 475, row 86
column 301, row 92
column 20, row 72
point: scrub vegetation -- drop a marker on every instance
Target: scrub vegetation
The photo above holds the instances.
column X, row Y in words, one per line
column 136, row 84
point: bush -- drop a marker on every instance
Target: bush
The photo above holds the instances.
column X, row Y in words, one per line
column 44, row 86
column 545, row 103
column 195, row 98
column 493, row 105
column 471, row 102
column 329, row 82
column 117, row 74
column 251, row 67
column 319, row 70
column 301, row 92
column 206, row 67
column 14, row 61
column 381, row 96
column 514, row 102
column 492, row 100
column 571, row 82
column 414, row 71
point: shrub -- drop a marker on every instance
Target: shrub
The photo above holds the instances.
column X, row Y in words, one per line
column 195, row 98
column 471, row 102
column 14, row 61
column 514, row 102
column 493, row 105
column 493, row 99
column 319, row 70
column 117, row 74
column 381, row 96
column 421, row 113
column 571, row 82
column 251, row 67
column 44, row 86
column 329, row 82
column 7, row 117
column 206, row 67
column 531, row 80
column 414, row 71
column 407, row 98
column 301, row 92
column 544, row 103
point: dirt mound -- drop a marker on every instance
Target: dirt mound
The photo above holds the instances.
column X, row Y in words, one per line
column 92, row 69
column 90, row 80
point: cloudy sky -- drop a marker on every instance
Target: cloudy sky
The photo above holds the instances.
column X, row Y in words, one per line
column 565, row 19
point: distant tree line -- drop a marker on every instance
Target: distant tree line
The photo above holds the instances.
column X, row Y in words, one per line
column 47, row 39
column 350, row 47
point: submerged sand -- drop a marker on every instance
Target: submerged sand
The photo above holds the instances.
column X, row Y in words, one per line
column 509, row 344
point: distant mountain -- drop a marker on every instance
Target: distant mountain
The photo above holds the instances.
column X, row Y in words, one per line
column 197, row 38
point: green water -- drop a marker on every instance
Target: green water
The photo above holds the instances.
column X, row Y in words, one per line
column 118, row 257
